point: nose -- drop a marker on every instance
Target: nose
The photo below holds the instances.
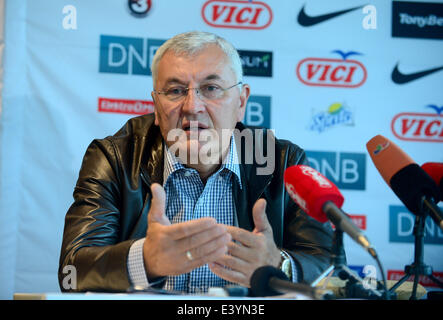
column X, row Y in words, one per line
column 192, row 102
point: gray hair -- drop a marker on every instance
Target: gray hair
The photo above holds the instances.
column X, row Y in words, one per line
column 190, row 43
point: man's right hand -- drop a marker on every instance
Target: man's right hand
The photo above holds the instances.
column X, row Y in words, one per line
column 166, row 247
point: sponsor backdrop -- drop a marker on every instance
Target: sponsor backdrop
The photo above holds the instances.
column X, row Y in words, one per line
column 328, row 75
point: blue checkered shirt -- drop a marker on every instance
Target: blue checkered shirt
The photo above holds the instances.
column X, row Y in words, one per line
column 187, row 198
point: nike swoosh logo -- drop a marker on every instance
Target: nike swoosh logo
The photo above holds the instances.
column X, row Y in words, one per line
column 402, row 78
column 308, row 21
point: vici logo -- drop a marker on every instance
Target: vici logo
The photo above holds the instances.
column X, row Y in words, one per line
column 237, row 14
column 325, row 72
column 426, row 127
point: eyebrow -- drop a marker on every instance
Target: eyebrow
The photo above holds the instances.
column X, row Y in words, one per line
column 176, row 80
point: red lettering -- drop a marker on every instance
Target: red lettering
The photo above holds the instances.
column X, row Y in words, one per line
column 231, row 12
column 351, row 72
column 405, row 127
column 325, row 71
column 334, row 73
column 215, row 13
column 240, row 14
column 420, row 125
column 255, row 17
column 312, row 71
column 428, row 128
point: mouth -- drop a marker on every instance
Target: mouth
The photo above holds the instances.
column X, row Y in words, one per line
column 194, row 125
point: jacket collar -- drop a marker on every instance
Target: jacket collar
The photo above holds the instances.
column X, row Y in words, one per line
column 253, row 185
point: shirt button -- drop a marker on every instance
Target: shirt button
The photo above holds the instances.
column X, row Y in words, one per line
column 220, row 178
column 187, row 173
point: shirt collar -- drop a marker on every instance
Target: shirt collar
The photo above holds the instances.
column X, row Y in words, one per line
column 230, row 162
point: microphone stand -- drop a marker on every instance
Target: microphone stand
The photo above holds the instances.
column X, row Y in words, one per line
column 418, row 267
column 354, row 287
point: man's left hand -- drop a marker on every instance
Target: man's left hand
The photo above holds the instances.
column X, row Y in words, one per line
column 248, row 250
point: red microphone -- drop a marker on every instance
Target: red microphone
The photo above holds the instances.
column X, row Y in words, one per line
column 322, row 200
column 435, row 171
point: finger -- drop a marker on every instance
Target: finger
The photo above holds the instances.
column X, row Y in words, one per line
column 157, row 211
column 243, row 236
column 208, row 258
column 229, row 275
column 242, row 252
column 259, row 215
column 206, row 237
column 201, row 254
column 233, row 263
column 189, row 228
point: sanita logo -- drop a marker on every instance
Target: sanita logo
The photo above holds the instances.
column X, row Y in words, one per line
column 426, row 127
column 336, row 115
column 236, row 14
column 325, row 72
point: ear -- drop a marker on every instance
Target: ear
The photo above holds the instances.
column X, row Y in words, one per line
column 244, row 96
column 155, row 109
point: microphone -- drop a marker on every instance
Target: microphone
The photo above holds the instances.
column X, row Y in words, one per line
column 412, row 185
column 322, row 200
column 271, row 281
column 435, row 171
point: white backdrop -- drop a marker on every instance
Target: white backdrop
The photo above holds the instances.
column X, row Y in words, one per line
column 75, row 70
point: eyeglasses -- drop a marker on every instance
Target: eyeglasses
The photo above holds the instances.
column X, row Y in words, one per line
column 207, row 91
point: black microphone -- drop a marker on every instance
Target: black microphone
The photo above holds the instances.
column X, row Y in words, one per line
column 412, row 185
column 271, row 281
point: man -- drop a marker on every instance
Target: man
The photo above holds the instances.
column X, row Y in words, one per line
column 174, row 199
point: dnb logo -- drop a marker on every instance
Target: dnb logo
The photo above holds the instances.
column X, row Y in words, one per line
column 127, row 55
column 401, row 227
column 346, row 170
column 426, row 127
column 324, row 72
column 258, row 111
column 237, row 14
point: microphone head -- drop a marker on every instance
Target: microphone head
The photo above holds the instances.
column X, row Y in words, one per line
column 311, row 190
column 435, row 171
column 408, row 181
column 260, row 281
column 410, row 184
column 388, row 158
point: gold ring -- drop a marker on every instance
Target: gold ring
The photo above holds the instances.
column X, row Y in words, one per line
column 189, row 255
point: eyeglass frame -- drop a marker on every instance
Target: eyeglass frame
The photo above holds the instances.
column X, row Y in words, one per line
column 197, row 92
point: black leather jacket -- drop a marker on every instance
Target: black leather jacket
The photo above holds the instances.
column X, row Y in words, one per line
column 112, row 198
